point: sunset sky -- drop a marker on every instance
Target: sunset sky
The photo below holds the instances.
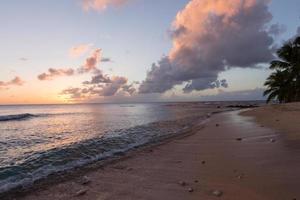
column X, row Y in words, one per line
column 74, row 51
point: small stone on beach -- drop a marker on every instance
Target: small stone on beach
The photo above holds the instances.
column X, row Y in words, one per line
column 240, row 176
column 191, row 190
column 217, row 193
column 196, row 181
column 239, row 139
column 203, row 162
column 182, row 183
column 217, row 125
column 85, row 180
column 81, row 192
column 272, row 140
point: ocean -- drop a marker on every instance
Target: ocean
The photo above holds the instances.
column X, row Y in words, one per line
column 38, row 140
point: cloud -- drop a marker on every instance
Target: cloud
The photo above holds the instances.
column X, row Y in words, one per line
column 209, row 37
column 277, row 29
column 101, row 86
column 74, row 93
column 55, row 73
column 242, row 95
column 79, row 50
column 100, row 78
column 90, row 65
column 110, row 89
column 106, row 60
column 130, row 89
column 100, row 5
column 23, row 59
column 15, row 81
column 298, row 31
column 92, row 62
column 201, row 84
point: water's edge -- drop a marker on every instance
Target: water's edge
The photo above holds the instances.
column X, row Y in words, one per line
column 104, row 160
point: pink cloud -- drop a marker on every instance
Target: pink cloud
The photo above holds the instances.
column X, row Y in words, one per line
column 101, row 86
column 55, row 73
column 79, row 50
column 208, row 37
column 16, row 81
column 90, row 65
column 100, row 5
column 92, row 62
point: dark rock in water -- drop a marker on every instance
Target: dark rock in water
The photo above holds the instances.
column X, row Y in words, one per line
column 239, row 139
column 242, row 106
column 217, row 193
column 203, row 162
column 182, row 183
column 81, row 192
column 196, row 181
column 191, row 190
column 217, row 125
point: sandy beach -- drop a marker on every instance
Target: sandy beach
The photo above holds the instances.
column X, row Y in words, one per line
column 231, row 157
column 284, row 118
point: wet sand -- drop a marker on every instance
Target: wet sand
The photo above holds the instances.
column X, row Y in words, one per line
column 284, row 117
column 232, row 157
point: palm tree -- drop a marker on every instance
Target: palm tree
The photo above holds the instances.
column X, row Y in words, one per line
column 284, row 84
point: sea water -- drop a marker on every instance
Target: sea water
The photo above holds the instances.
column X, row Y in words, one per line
column 38, row 140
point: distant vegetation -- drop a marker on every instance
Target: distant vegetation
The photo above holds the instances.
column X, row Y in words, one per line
column 283, row 84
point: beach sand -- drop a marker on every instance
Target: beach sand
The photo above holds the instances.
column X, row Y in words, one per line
column 284, row 117
column 232, row 157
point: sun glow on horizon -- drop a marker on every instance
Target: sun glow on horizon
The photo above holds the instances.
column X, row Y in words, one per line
column 107, row 55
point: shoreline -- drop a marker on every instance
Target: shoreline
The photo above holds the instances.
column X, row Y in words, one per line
column 67, row 175
column 231, row 156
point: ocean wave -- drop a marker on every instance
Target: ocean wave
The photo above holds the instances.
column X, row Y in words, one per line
column 16, row 117
column 25, row 116
column 42, row 164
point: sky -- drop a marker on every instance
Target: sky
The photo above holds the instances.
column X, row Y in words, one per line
column 76, row 51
